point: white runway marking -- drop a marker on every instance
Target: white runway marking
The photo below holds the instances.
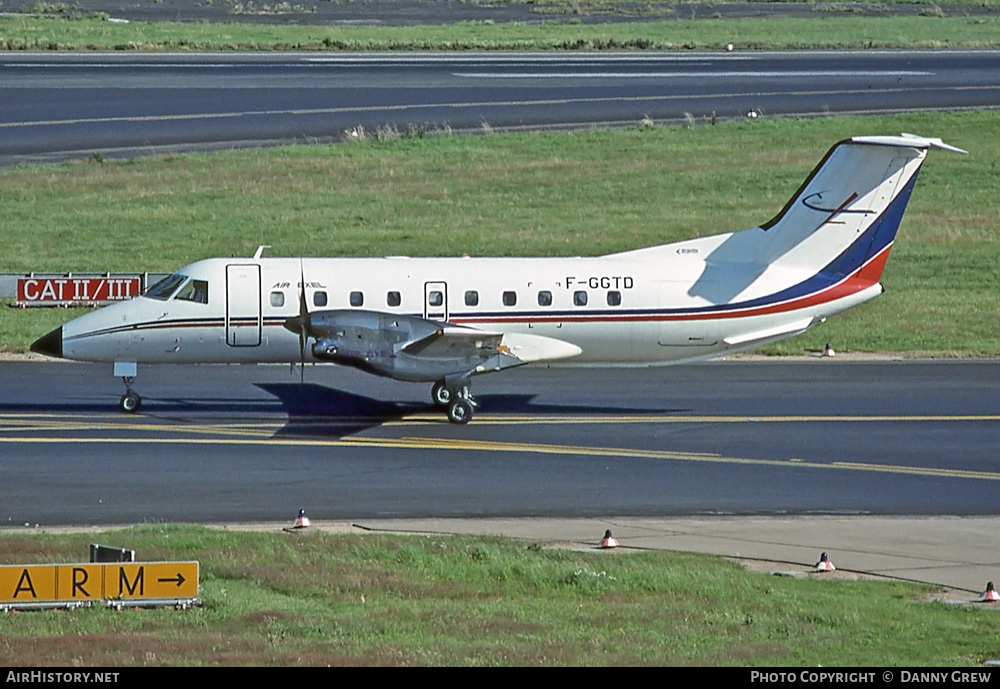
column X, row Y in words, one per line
column 690, row 75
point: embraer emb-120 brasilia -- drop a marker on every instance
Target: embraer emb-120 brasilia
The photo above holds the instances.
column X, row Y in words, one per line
column 445, row 320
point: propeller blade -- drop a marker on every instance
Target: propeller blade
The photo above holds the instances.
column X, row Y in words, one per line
column 302, row 358
column 306, row 324
column 304, row 316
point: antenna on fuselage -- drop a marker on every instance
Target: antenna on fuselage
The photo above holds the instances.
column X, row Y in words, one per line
column 260, row 250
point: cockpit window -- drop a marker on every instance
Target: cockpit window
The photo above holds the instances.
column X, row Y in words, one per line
column 165, row 287
column 194, row 290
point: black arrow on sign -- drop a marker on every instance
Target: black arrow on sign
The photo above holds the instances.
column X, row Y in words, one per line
column 179, row 579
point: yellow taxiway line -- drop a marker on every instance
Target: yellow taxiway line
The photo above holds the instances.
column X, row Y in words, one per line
column 529, row 419
column 262, row 433
column 13, row 422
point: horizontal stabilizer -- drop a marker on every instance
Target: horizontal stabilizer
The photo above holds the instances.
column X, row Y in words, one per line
column 907, row 141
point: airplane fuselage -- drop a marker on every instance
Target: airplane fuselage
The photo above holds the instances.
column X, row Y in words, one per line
column 618, row 311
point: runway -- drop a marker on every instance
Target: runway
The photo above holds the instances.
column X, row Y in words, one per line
column 66, row 105
column 231, row 443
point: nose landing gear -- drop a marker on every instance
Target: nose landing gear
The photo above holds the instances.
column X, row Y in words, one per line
column 130, row 401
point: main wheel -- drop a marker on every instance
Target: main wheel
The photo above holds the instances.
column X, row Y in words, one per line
column 460, row 411
column 130, row 402
column 442, row 395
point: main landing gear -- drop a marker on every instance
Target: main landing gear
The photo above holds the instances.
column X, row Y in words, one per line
column 456, row 398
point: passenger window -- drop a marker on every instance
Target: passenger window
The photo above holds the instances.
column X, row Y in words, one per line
column 319, row 299
column 472, row 298
column 579, row 298
column 393, row 299
column 545, row 298
column 510, row 298
column 614, row 298
column 277, row 299
column 357, row 299
column 195, row 290
column 435, row 298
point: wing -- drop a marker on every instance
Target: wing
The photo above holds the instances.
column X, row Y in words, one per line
column 450, row 341
column 417, row 349
column 454, row 341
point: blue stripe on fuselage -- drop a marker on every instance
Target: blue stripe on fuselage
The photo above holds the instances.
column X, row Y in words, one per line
column 869, row 244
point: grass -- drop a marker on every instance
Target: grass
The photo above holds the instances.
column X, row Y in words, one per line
column 590, row 192
column 824, row 31
column 320, row 599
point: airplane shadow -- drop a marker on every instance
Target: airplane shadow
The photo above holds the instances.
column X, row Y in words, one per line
column 323, row 412
column 319, row 411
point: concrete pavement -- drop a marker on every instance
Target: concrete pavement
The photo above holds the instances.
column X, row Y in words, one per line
column 958, row 553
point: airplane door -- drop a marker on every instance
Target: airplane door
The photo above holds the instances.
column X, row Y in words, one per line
column 243, row 317
column 436, row 301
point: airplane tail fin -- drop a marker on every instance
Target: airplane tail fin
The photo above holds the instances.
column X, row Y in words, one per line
column 843, row 219
column 830, row 240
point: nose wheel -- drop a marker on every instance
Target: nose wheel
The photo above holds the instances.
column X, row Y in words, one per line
column 130, row 401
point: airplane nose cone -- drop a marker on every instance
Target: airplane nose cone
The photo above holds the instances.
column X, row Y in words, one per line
column 50, row 344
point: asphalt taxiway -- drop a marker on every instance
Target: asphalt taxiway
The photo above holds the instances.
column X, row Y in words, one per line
column 777, row 460
column 251, row 442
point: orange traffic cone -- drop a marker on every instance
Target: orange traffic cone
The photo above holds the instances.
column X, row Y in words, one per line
column 302, row 521
column 824, row 564
column 609, row 541
column 990, row 596
column 828, row 350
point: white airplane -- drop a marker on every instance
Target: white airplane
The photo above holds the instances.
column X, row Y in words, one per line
column 445, row 320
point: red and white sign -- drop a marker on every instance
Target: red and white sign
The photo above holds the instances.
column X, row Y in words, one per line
column 57, row 291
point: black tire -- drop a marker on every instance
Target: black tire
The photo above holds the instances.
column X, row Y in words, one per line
column 460, row 411
column 130, row 403
column 442, row 395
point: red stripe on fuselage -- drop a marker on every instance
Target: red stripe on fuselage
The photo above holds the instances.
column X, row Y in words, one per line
column 865, row 277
